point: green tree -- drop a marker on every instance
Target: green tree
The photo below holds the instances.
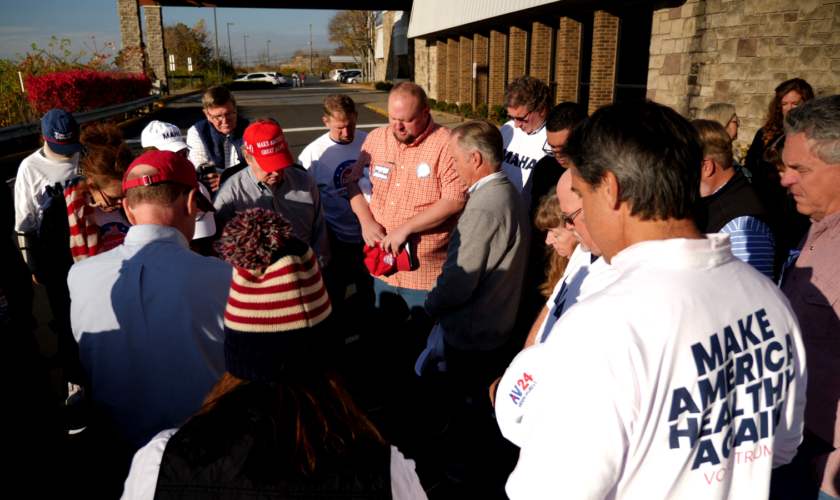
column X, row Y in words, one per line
column 183, row 42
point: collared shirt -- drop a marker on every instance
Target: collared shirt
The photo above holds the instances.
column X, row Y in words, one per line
column 198, row 153
column 407, row 179
column 149, row 319
column 697, row 362
column 813, row 288
column 296, row 197
column 752, row 241
column 485, row 180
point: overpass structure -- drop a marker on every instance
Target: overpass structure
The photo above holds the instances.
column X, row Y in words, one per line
column 132, row 34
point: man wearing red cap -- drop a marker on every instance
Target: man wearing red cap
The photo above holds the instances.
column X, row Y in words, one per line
column 149, row 314
column 268, row 184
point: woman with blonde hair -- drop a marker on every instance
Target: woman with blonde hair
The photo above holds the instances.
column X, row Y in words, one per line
column 560, row 242
column 724, row 113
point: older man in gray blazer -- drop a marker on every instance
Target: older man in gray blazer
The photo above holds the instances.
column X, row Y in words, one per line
column 476, row 297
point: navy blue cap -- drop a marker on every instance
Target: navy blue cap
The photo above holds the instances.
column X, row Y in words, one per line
column 61, row 132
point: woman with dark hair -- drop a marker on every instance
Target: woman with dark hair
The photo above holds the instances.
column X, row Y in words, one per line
column 765, row 177
column 279, row 423
column 82, row 221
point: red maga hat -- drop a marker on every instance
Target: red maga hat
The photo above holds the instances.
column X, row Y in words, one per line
column 380, row 262
column 265, row 140
column 170, row 167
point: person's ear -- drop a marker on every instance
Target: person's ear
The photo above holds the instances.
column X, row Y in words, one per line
column 129, row 212
column 610, row 190
column 326, row 121
column 476, row 159
column 192, row 203
column 708, row 168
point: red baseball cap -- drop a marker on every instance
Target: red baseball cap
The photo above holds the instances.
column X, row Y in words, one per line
column 170, row 167
column 379, row 262
column 266, row 142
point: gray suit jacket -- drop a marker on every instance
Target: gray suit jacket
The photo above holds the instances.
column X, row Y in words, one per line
column 476, row 297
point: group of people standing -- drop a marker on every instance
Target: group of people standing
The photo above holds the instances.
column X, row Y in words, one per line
column 601, row 291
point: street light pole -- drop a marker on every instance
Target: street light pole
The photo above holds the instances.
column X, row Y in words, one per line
column 310, row 48
column 218, row 68
column 230, row 48
column 267, row 55
column 246, row 51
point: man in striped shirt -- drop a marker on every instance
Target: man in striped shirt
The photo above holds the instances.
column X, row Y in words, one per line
column 730, row 204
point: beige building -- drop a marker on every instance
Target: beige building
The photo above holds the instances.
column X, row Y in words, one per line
column 393, row 54
column 686, row 55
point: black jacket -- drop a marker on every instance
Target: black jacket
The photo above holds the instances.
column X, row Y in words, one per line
column 735, row 199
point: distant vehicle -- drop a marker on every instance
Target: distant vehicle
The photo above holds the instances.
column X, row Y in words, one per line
column 240, row 75
column 279, row 76
column 260, row 77
column 334, row 74
column 351, row 76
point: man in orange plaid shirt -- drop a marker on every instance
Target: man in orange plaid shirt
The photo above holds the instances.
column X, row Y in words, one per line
column 416, row 196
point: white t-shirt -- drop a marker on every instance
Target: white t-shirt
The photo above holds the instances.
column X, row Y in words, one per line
column 330, row 164
column 516, row 389
column 522, row 152
column 143, row 476
column 113, row 226
column 668, row 383
column 38, row 180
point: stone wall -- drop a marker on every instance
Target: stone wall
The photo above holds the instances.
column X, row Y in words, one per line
column 739, row 51
column 154, row 47
column 131, row 33
column 425, row 65
column 386, row 67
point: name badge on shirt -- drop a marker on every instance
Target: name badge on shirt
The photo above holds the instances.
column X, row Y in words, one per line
column 380, row 172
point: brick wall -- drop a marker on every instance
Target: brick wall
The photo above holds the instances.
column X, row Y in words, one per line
column 154, row 45
column 452, row 53
column 497, row 67
column 540, row 60
column 131, row 34
column 442, row 56
column 739, row 51
column 568, row 60
column 517, row 54
column 480, row 47
column 425, row 65
column 465, row 70
column 604, row 45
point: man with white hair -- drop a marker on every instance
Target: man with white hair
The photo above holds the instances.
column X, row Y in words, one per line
column 812, row 161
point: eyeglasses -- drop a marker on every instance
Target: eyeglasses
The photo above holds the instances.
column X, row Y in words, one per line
column 550, row 150
column 110, row 202
column 735, row 120
column 218, row 118
column 570, row 219
column 523, row 119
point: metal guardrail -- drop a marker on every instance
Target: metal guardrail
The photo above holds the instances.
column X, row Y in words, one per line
column 31, row 128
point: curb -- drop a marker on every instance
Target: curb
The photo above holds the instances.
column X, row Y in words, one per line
column 158, row 105
column 377, row 110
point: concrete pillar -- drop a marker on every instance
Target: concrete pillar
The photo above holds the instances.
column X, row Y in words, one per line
column 440, row 88
column 568, row 60
column 540, row 60
column 480, row 46
column 452, row 54
column 604, row 55
column 154, row 45
column 465, row 69
column 517, row 54
column 497, row 67
column 131, row 33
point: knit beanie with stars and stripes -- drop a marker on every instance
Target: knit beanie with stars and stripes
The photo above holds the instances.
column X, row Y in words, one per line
column 277, row 326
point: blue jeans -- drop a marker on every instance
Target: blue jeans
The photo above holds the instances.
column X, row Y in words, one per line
column 385, row 293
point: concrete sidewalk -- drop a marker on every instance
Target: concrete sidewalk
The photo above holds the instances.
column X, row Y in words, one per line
column 444, row 119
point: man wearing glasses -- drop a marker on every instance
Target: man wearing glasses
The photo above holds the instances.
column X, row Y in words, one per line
column 527, row 102
column 218, row 137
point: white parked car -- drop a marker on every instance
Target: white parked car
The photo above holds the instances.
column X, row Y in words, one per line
column 336, row 73
column 279, row 76
column 260, row 77
column 351, row 76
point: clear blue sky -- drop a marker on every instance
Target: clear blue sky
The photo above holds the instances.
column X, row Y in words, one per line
column 25, row 22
